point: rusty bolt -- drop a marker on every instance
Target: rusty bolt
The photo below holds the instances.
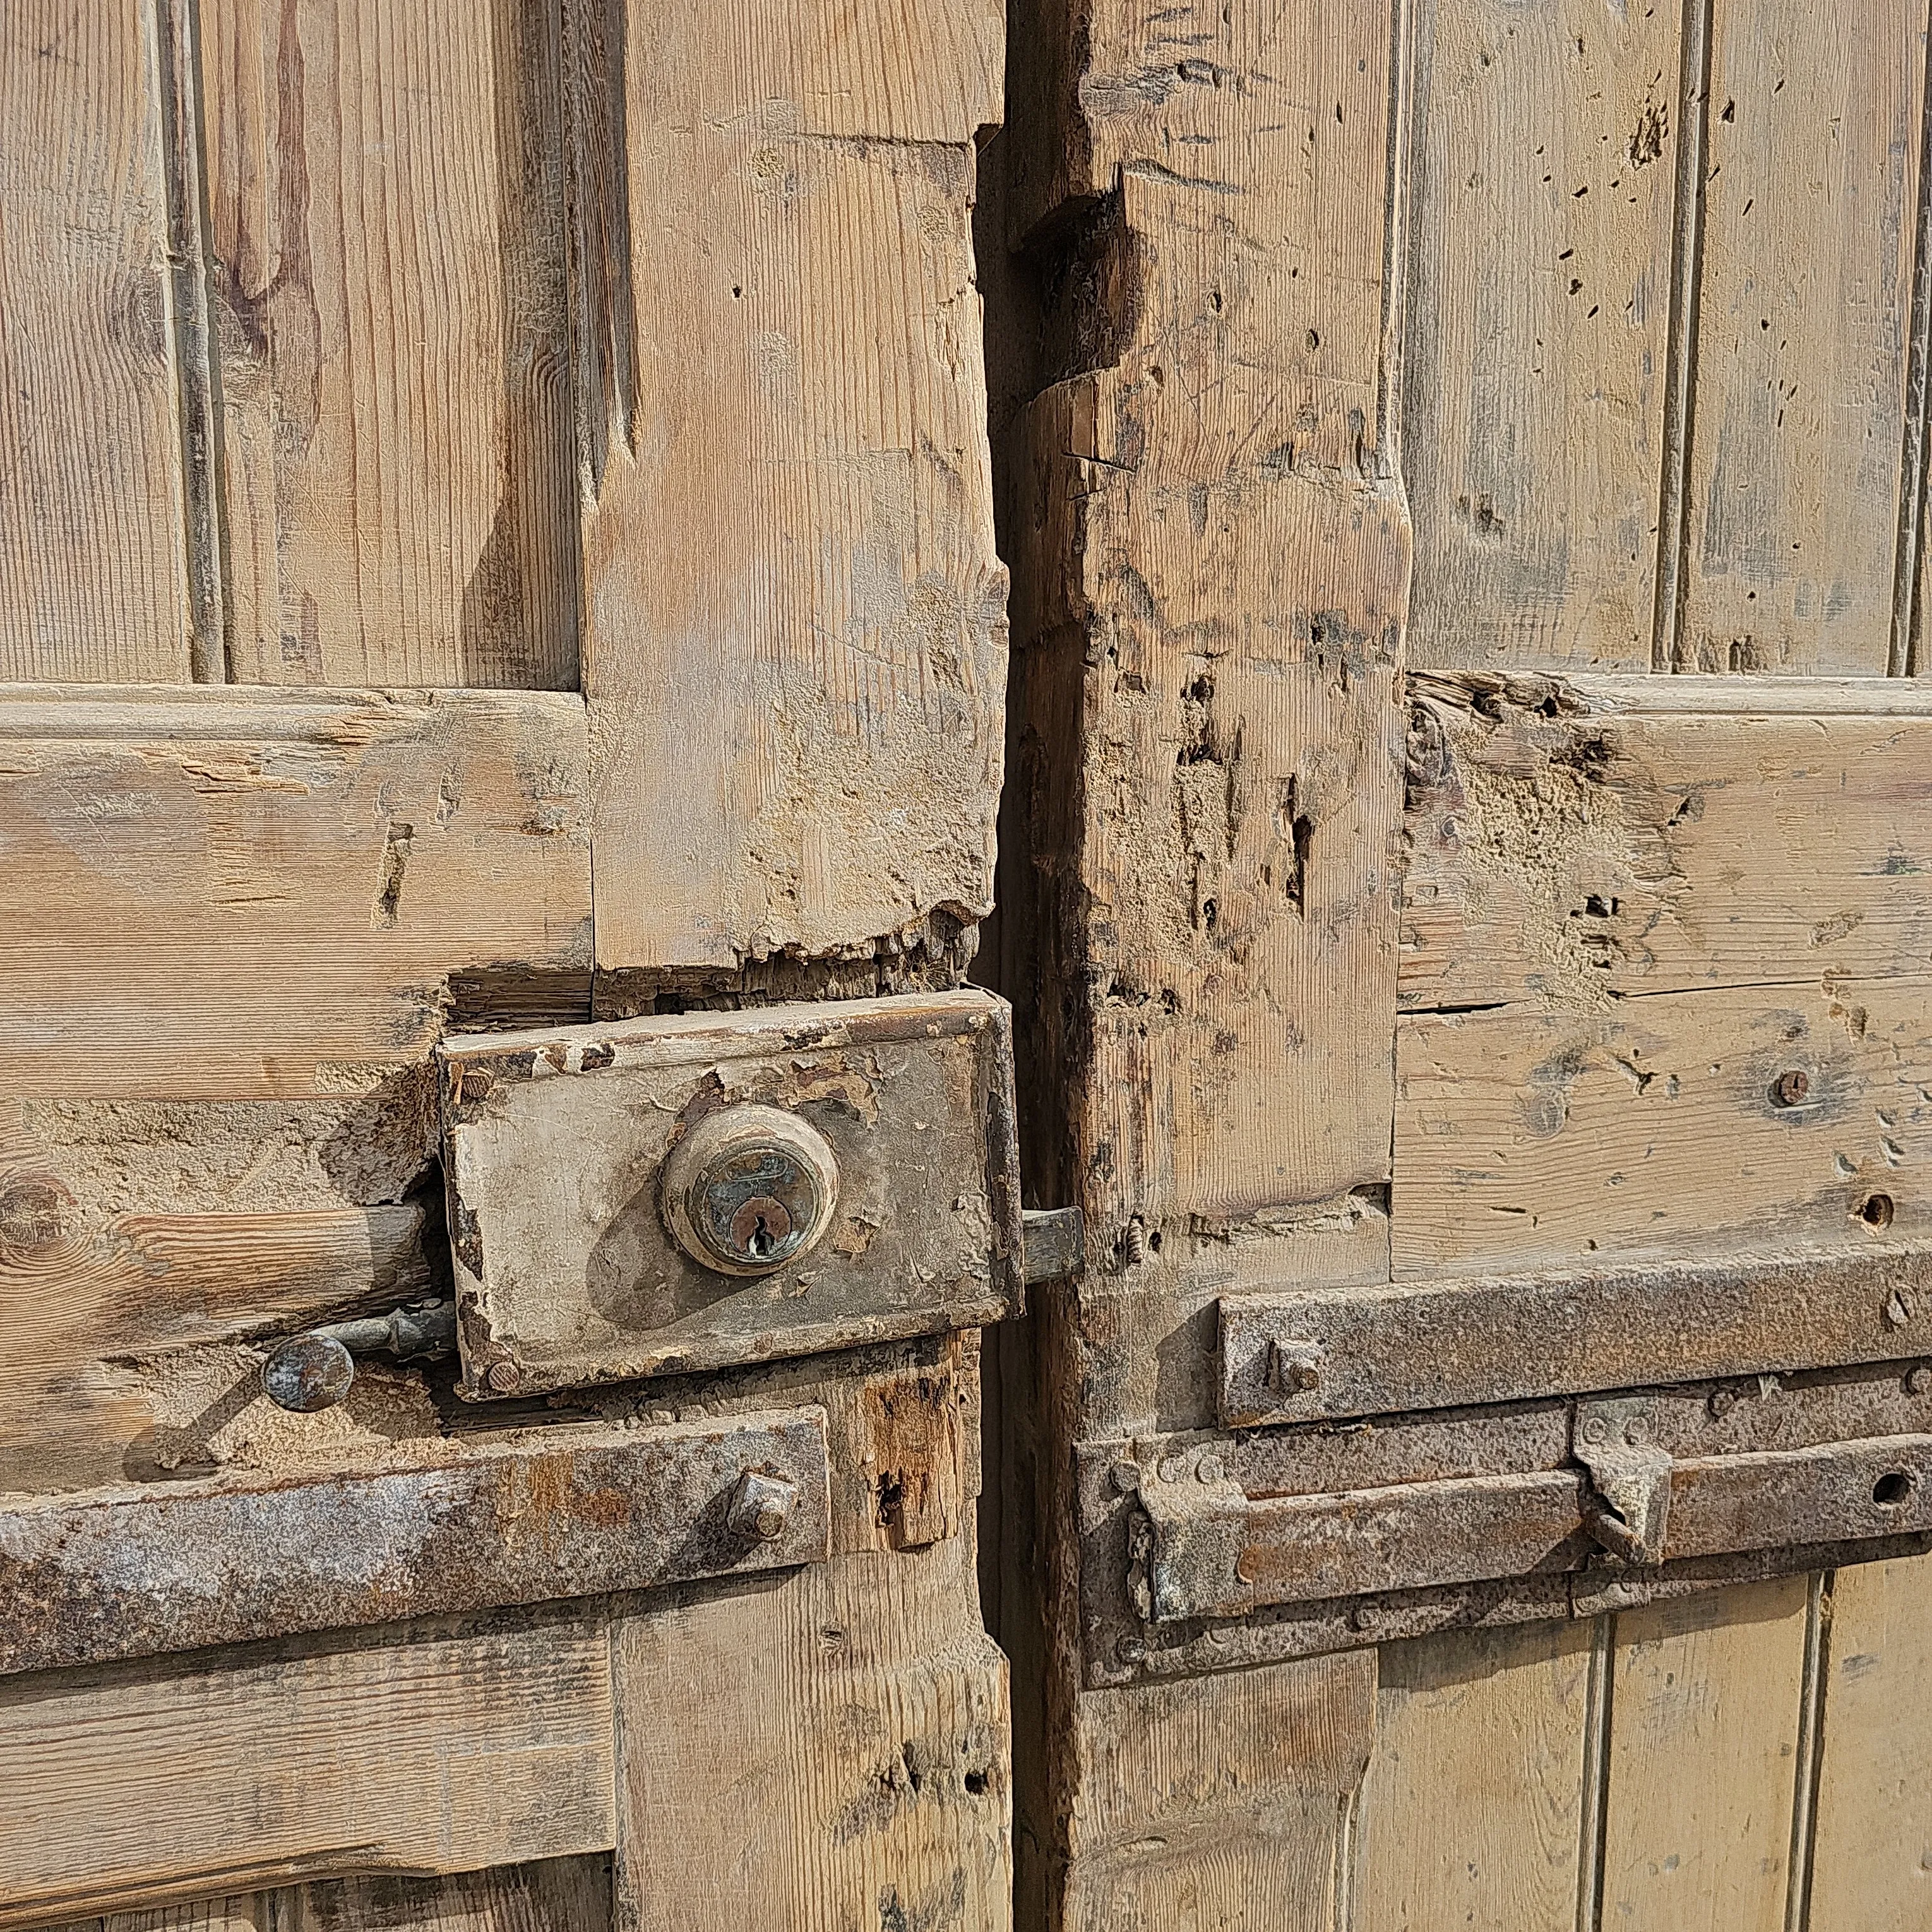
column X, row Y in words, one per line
column 749, row 1190
column 1919, row 1381
column 1790, row 1089
column 309, row 1372
column 1722, row 1402
column 1210, row 1469
column 760, row 1507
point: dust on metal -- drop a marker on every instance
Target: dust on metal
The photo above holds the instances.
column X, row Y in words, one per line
column 580, row 1512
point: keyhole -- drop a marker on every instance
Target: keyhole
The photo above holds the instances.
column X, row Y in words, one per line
column 762, row 1242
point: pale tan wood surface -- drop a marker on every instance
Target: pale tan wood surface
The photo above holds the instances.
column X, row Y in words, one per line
column 439, row 1751
column 1538, row 319
column 1815, row 132
column 1575, row 859
column 1871, row 1857
column 93, row 544
column 254, row 896
column 1525, row 1138
column 1221, row 1800
column 1703, row 1761
column 386, row 203
column 1474, row 1808
column 795, row 643
column 826, row 1751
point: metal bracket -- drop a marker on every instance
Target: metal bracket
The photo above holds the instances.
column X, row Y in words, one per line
column 574, row 1512
column 1055, row 1241
column 1627, row 1508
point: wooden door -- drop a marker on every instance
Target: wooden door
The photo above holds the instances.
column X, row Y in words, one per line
column 1468, row 820
column 495, row 531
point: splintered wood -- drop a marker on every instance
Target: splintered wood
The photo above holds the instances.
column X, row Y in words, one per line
column 796, row 647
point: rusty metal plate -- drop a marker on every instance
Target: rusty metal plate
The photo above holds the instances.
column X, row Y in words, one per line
column 608, row 1220
column 1209, row 1551
column 1304, row 1355
column 122, row 1573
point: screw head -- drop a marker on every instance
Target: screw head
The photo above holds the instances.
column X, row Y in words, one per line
column 1790, row 1088
column 502, row 1377
column 1210, row 1469
column 1594, row 1430
column 1366, row 1617
column 1126, row 1477
column 760, row 1506
column 1919, row 1381
column 308, row 1372
column 1130, row 1650
column 1173, row 1468
column 1722, row 1402
column 749, row 1190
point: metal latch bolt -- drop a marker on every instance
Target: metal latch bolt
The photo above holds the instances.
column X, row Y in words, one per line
column 315, row 1370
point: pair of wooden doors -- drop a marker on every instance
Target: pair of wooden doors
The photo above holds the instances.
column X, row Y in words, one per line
column 498, row 536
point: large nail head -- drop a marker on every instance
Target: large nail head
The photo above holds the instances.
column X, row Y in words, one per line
column 308, row 1372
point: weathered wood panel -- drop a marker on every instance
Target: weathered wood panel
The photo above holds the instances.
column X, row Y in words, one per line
column 1538, row 323
column 830, row 1751
column 1658, row 1131
column 437, row 1752
column 1705, row 1723
column 1815, row 132
column 1569, row 844
column 93, row 537
column 1871, row 1857
column 795, row 645
column 386, row 204
column 279, row 895
column 1222, row 1801
column 1478, row 1789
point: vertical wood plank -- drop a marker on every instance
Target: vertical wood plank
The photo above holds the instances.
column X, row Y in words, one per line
column 1473, row 1810
column 1871, row 1857
column 1798, row 426
column 1539, row 298
column 1705, row 1728
column 385, row 183
column 93, row 544
column 1221, row 1800
column 796, row 645
column 826, row 1751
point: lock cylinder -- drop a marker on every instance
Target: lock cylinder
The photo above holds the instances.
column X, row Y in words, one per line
column 749, row 1190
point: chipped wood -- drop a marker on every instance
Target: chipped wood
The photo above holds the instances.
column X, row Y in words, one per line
column 254, row 896
column 127, row 1787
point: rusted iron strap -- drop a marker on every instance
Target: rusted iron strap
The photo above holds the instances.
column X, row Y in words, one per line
column 1213, row 1552
column 1316, row 1354
column 126, row 1573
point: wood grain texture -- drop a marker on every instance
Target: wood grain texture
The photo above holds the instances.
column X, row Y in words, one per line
column 1815, row 132
column 277, row 895
column 795, row 620
column 1539, row 299
column 143, row 1785
column 386, row 192
column 1703, row 1757
column 1526, row 1138
column 1474, row 1809
column 1871, row 1856
column 551, row 1895
column 1221, row 1800
column 826, row 1752
column 1568, row 846
column 93, row 540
